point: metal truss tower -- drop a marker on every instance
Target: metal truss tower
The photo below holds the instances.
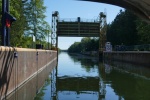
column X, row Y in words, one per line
column 103, row 30
column 79, row 28
column 54, row 37
column 53, row 84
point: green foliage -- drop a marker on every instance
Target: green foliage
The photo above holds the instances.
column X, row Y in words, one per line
column 30, row 15
column 41, row 93
column 86, row 44
column 123, row 29
column 128, row 29
column 143, row 32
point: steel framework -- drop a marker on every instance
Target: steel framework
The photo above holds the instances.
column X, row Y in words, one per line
column 79, row 28
column 103, row 30
column 54, row 37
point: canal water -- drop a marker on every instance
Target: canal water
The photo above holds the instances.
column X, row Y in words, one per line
column 78, row 77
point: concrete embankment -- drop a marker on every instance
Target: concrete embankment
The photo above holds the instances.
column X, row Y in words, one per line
column 137, row 57
column 19, row 65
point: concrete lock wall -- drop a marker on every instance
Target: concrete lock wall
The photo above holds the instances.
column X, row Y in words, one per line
column 18, row 65
column 137, row 57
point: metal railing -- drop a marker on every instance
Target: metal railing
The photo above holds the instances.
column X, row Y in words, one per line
column 76, row 20
column 144, row 47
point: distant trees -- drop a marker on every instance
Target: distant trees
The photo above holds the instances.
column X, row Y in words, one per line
column 86, row 44
column 30, row 15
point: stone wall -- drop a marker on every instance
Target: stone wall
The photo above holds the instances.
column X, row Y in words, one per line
column 137, row 57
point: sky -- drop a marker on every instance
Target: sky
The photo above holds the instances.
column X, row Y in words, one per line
column 73, row 9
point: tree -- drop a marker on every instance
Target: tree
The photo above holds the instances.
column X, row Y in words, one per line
column 18, row 27
column 143, row 30
column 30, row 15
column 123, row 29
column 86, row 44
column 76, row 47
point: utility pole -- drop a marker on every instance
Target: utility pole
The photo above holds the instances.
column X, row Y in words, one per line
column 3, row 34
column 6, row 20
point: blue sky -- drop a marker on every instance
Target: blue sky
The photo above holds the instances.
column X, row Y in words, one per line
column 74, row 9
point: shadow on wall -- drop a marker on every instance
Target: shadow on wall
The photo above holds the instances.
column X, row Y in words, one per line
column 7, row 62
column 19, row 65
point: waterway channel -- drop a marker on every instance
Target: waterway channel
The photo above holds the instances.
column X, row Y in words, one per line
column 78, row 77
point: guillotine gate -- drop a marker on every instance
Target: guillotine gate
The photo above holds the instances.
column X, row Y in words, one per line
column 78, row 28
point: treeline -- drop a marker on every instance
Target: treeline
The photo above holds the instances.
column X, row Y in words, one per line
column 126, row 29
column 86, row 44
column 30, row 15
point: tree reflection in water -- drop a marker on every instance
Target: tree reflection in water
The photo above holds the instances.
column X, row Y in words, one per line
column 115, row 81
column 128, row 80
column 86, row 62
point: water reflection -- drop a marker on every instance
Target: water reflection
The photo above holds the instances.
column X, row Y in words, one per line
column 77, row 87
column 42, row 93
column 82, row 83
column 86, row 62
column 82, row 78
column 128, row 81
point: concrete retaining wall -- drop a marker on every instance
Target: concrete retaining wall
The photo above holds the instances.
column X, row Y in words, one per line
column 137, row 57
column 18, row 65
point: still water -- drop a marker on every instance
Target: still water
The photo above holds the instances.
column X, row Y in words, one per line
column 84, row 78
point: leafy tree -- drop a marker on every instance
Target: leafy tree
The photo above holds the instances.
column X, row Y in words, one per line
column 76, row 47
column 143, row 32
column 35, row 10
column 86, row 44
column 30, row 15
column 18, row 27
column 123, row 29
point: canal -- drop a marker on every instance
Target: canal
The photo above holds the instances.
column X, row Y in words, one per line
column 78, row 77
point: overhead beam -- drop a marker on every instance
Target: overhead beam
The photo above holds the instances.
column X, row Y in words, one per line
column 139, row 7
